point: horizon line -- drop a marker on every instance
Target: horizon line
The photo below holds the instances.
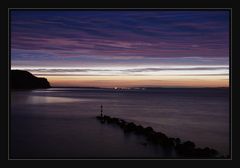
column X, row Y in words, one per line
column 141, row 87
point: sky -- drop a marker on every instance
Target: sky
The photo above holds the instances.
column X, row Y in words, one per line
column 127, row 48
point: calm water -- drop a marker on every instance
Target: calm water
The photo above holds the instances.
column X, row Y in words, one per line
column 60, row 122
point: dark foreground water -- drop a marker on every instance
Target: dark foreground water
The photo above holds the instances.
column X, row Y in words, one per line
column 60, row 122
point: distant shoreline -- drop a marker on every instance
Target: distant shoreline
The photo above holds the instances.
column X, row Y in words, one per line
column 142, row 87
column 129, row 89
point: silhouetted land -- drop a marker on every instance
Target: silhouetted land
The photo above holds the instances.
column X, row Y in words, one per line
column 184, row 149
column 25, row 80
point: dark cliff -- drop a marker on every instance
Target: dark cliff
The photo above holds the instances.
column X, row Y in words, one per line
column 25, row 80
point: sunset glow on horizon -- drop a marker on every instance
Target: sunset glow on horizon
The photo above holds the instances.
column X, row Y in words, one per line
column 123, row 48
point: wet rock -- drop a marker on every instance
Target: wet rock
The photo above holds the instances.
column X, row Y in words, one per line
column 129, row 127
column 185, row 149
column 139, row 129
column 160, row 138
column 107, row 119
column 148, row 131
column 115, row 120
column 177, row 141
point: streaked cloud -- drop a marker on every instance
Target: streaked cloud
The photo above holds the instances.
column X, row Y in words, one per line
column 153, row 71
column 120, row 34
column 118, row 43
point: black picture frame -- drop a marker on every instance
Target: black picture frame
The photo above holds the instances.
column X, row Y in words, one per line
column 5, row 68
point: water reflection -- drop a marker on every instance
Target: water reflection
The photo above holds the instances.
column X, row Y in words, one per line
column 49, row 99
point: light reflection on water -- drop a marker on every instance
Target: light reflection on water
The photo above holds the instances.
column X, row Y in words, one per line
column 48, row 99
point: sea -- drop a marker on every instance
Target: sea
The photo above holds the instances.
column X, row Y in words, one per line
column 61, row 122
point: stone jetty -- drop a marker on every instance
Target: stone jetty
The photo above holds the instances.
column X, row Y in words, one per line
column 184, row 149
